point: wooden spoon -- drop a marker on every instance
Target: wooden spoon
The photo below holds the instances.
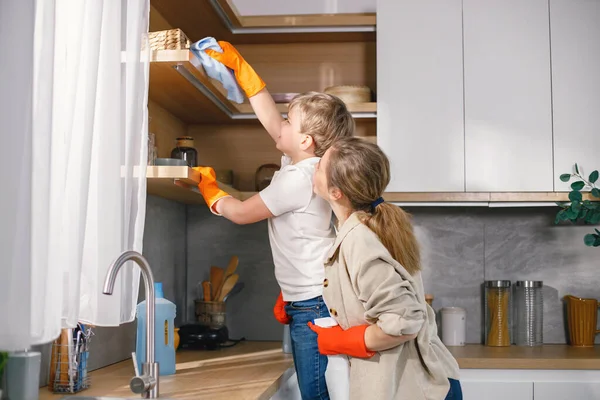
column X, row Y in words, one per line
column 227, row 286
column 206, row 291
column 233, row 263
column 217, row 275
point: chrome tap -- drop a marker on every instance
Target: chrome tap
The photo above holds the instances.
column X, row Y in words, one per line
column 147, row 383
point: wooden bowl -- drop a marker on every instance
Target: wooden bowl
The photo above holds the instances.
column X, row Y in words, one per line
column 350, row 93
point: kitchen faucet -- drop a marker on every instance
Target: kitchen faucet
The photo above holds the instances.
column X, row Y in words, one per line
column 147, row 383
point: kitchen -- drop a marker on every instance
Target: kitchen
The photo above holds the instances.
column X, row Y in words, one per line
column 486, row 103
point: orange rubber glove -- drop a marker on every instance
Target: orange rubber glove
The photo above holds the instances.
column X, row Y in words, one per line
column 279, row 311
column 335, row 340
column 209, row 189
column 246, row 77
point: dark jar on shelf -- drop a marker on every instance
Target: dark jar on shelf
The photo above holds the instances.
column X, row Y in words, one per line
column 184, row 150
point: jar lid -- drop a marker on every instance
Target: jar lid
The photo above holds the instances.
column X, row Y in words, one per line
column 497, row 284
column 453, row 310
column 530, row 284
column 185, row 138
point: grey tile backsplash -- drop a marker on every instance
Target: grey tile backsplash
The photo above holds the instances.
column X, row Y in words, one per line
column 213, row 240
column 461, row 247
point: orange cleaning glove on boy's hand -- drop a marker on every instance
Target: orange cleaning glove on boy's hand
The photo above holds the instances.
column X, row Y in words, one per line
column 246, row 77
column 335, row 340
column 279, row 311
column 208, row 187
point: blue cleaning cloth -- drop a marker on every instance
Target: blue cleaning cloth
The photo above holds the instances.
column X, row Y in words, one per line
column 216, row 70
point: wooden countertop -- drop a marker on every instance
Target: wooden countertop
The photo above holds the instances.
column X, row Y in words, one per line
column 253, row 370
column 551, row 356
column 246, row 371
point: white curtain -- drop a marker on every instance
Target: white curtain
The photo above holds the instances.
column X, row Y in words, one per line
column 73, row 101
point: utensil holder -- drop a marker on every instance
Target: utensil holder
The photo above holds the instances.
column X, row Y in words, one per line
column 211, row 313
column 70, row 372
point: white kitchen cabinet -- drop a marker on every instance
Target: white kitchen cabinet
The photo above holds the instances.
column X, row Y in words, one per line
column 575, row 38
column 508, row 110
column 420, row 123
column 497, row 390
column 566, row 390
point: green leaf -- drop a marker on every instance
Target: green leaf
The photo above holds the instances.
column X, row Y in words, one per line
column 561, row 216
column 595, row 218
column 589, row 217
column 596, row 192
column 576, row 168
column 565, row 177
column 572, row 214
column 594, row 176
column 597, row 231
column 575, row 196
column 589, row 239
column 562, row 204
column 576, row 206
column 577, row 185
column 597, row 242
column 584, row 213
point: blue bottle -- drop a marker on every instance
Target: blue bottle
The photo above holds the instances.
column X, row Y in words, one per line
column 164, row 316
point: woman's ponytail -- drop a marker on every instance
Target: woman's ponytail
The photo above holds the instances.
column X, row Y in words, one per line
column 362, row 172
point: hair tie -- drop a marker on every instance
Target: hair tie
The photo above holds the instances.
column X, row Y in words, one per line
column 377, row 202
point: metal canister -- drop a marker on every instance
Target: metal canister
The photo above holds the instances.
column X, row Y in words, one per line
column 529, row 313
column 498, row 309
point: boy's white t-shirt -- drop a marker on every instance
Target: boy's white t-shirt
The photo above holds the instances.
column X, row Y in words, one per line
column 300, row 232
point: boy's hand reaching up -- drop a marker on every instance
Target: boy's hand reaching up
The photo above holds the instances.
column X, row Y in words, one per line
column 246, row 77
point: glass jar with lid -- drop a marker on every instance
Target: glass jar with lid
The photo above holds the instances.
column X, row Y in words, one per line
column 498, row 307
column 184, row 150
column 529, row 313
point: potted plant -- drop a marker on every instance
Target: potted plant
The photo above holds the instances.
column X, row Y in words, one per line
column 3, row 361
column 578, row 209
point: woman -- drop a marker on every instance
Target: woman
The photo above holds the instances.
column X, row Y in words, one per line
column 373, row 285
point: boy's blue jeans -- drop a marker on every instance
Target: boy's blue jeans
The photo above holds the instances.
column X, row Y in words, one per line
column 309, row 363
column 455, row 392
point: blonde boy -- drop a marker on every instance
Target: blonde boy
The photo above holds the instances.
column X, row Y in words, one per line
column 300, row 230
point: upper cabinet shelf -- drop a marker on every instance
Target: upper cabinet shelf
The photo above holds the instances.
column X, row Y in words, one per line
column 181, row 184
column 221, row 20
column 179, row 84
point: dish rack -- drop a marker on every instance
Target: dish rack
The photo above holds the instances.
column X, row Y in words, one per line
column 68, row 365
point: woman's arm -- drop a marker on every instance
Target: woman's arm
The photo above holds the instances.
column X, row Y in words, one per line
column 378, row 340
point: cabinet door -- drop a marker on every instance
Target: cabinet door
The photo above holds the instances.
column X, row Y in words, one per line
column 575, row 34
column 508, row 120
column 420, row 122
column 497, row 390
column 566, row 390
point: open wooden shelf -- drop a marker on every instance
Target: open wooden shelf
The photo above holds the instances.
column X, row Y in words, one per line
column 181, row 184
column 220, row 19
column 179, row 84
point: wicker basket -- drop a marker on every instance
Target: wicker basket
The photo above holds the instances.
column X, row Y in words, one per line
column 350, row 93
column 172, row 39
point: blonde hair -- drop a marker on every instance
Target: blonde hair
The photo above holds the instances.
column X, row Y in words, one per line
column 361, row 171
column 324, row 117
